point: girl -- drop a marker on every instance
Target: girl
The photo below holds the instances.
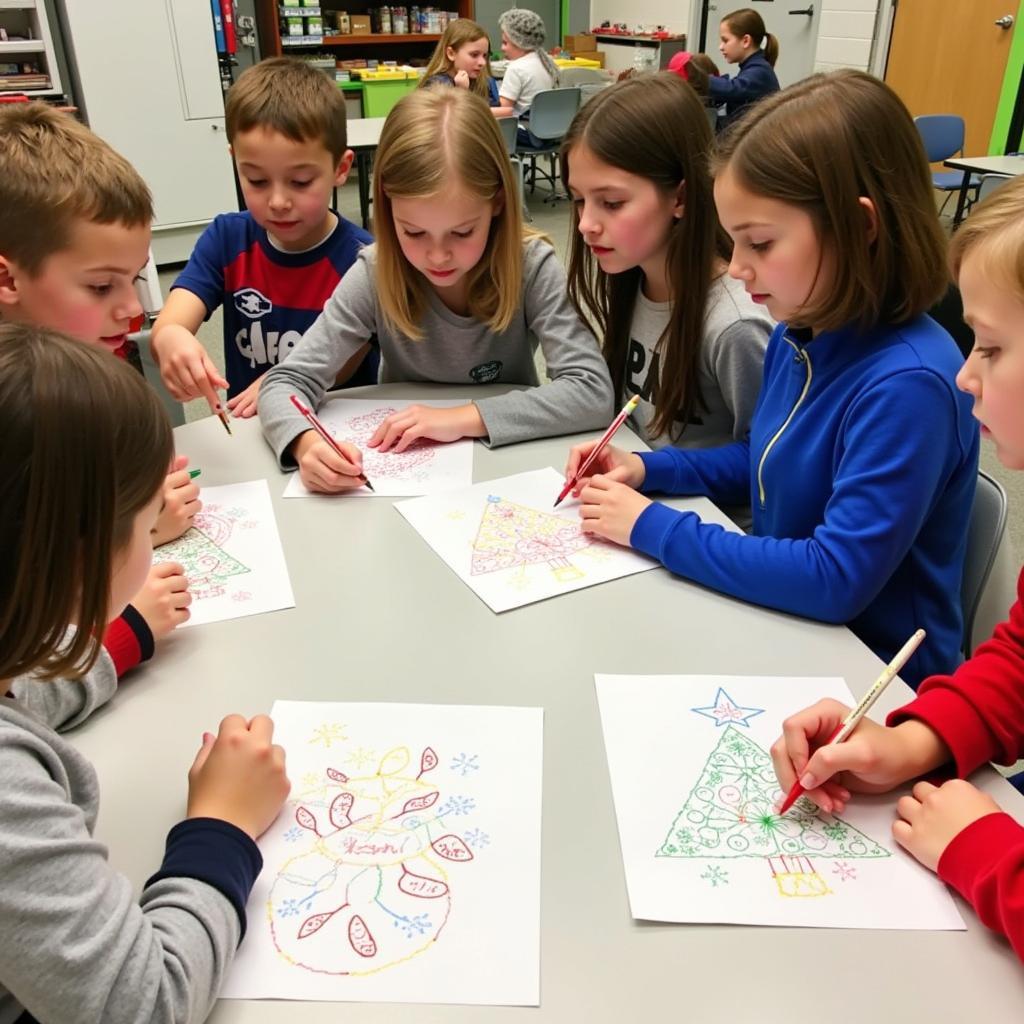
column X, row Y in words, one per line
column 455, row 289
column 740, row 36
column 86, row 445
column 977, row 714
column 860, row 514
column 647, row 263
column 530, row 69
column 461, row 59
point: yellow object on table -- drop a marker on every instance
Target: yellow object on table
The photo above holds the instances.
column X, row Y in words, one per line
column 576, row 62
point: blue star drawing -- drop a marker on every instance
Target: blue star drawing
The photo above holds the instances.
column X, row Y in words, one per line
column 457, row 805
column 464, row 764
column 293, row 834
column 475, row 837
column 725, row 711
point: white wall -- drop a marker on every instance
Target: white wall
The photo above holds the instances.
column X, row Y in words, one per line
column 673, row 14
column 845, row 34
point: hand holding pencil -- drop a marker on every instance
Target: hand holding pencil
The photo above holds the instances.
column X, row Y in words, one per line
column 326, row 465
column 593, row 457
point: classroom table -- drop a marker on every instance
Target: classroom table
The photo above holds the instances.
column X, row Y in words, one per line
column 1008, row 165
column 379, row 617
column 363, row 139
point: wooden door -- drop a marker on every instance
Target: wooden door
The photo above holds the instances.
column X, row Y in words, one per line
column 949, row 57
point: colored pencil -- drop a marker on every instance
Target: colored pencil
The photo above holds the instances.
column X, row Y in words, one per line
column 627, row 411
column 315, row 423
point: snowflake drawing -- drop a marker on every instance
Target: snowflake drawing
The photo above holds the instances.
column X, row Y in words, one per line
column 464, row 764
column 844, row 871
column 458, row 805
column 293, row 834
column 328, row 733
column 412, row 926
column 360, row 757
column 716, row 876
column 290, row 908
column 476, row 838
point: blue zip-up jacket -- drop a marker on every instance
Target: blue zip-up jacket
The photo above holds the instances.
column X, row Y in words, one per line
column 755, row 78
column 860, row 470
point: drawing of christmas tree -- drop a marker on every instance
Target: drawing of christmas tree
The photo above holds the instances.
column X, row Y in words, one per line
column 207, row 565
column 512, row 536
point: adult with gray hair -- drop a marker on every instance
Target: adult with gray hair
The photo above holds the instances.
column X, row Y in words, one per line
column 530, row 69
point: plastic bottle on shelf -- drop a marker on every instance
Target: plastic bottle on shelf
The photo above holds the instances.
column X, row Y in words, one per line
column 414, row 20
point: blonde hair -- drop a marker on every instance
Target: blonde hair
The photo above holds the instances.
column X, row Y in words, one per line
column 54, row 172
column 824, row 144
column 436, row 140
column 292, row 98
column 995, row 230
column 458, row 33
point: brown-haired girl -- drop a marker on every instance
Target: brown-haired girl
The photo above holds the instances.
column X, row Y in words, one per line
column 462, row 59
column 741, row 35
column 456, row 291
column 862, row 457
column 648, row 262
column 85, row 448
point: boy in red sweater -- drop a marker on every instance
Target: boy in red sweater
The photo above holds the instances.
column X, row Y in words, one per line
column 977, row 714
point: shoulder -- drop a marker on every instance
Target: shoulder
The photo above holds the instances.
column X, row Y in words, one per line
column 439, row 79
column 540, row 259
column 230, row 234
column 728, row 304
column 350, row 235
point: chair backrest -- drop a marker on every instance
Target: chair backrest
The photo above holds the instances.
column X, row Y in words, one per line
column 942, row 135
column 552, row 112
column 984, row 535
column 989, row 183
column 509, row 128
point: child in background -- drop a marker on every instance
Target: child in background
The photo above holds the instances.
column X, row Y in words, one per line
column 89, row 440
column 74, row 236
column 530, row 69
column 647, row 264
column 462, row 59
column 456, row 290
column 273, row 266
column 860, row 512
column 740, row 37
column 977, row 714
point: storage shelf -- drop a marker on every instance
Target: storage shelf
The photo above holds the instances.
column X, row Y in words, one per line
column 382, row 37
column 23, row 46
column 17, row 5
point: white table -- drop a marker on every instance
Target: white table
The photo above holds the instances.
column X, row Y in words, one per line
column 1008, row 165
column 379, row 616
column 363, row 139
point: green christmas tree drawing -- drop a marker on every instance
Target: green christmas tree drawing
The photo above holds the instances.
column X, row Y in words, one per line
column 207, row 565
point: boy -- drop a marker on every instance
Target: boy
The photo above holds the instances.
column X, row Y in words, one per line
column 274, row 266
column 74, row 235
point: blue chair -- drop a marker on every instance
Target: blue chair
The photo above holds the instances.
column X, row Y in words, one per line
column 984, row 535
column 551, row 113
column 943, row 137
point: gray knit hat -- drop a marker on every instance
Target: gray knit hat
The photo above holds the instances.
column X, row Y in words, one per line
column 525, row 28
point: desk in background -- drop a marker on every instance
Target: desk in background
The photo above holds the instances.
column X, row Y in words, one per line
column 1008, row 165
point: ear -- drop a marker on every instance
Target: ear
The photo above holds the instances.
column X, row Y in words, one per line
column 680, row 205
column 9, row 274
column 449, row 52
column 341, row 172
column 870, row 218
column 497, row 203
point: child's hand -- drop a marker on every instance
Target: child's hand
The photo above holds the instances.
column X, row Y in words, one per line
column 934, row 816
column 239, row 776
column 614, row 463
column 163, row 602
column 322, row 469
column 400, row 429
column 181, row 503
column 186, row 368
column 462, row 79
column 611, row 509
column 244, row 405
column 873, row 760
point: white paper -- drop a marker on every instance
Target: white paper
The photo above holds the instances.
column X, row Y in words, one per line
column 232, row 556
column 437, row 902
column 506, row 542
column 425, row 467
column 694, row 792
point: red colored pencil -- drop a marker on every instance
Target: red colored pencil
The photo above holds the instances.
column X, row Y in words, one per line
column 627, row 411
column 315, row 423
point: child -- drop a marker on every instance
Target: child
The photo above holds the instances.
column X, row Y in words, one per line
column 456, row 291
column 648, row 264
column 74, row 236
column 462, row 59
column 274, row 266
column 740, row 36
column 860, row 514
column 530, row 69
column 977, row 714
column 90, row 441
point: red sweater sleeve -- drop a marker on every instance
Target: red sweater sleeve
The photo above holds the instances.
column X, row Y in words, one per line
column 128, row 641
column 985, row 864
column 979, row 710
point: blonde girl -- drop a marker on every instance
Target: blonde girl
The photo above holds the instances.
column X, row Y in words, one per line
column 462, row 59
column 862, row 458
column 456, row 291
column 744, row 40
column 85, row 448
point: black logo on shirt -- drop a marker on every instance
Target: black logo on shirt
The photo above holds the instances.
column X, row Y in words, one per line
column 486, row 372
column 635, row 361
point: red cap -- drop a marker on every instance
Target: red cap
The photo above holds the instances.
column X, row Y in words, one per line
column 677, row 65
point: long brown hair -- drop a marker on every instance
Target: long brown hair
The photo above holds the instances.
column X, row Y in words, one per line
column 823, row 145
column 747, row 22
column 84, row 447
column 616, row 127
column 458, row 33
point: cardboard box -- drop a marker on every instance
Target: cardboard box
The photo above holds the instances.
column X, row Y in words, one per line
column 360, row 24
column 291, row 27
column 582, row 41
column 314, row 26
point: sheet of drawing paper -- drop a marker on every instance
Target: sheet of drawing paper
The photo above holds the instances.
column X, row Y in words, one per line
column 695, row 795
column 405, row 866
column 505, row 541
column 425, row 467
column 232, row 555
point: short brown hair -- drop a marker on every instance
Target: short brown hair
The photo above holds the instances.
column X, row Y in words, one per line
column 822, row 145
column 54, row 171
column 995, row 230
column 292, row 98
column 84, row 447
column 747, row 22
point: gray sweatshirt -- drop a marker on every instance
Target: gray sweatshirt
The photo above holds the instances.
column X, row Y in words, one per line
column 454, row 350
column 75, row 945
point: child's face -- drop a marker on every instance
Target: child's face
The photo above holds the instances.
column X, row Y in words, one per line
column 444, row 239
column 994, row 371
column 132, row 564
column 87, row 290
column 470, row 57
column 624, row 219
column 776, row 252
column 287, row 185
column 509, row 49
column 732, row 48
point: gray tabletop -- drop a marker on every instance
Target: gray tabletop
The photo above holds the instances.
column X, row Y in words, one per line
column 1009, row 165
column 364, row 132
column 379, row 616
